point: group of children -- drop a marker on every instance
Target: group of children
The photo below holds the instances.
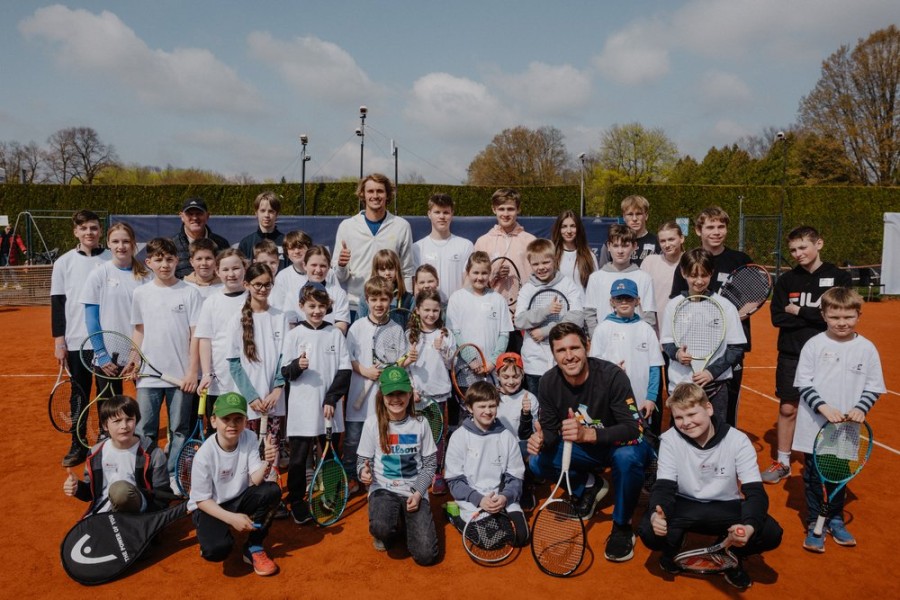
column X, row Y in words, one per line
column 261, row 340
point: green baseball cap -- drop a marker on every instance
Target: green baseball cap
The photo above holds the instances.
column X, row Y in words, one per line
column 394, row 379
column 230, row 403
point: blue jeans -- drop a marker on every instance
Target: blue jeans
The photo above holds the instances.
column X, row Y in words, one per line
column 352, row 433
column 178, row 405
column 628, row 464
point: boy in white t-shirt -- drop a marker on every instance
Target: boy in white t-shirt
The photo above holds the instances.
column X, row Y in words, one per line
column 839, row 377
column 229, row 488
column 621, row 244
column 203, row 260
column 164, row 313
column 537, row 322
column 624, row 339
column 443, row 250
column 707, row 482
column 289, row 280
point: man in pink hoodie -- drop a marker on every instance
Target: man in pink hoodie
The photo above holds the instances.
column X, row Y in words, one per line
column 508, row 238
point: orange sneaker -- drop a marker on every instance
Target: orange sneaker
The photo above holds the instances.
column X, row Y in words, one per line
column 262, row 564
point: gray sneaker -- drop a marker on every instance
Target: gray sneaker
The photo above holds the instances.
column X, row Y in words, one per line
column 776, row 472
column 378, row 545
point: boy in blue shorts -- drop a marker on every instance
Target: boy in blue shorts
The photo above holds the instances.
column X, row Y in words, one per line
column 688, row 497
column 839, row 377
column 229, row 488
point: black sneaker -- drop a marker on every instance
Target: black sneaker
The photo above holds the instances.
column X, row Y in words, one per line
column 300, row 513
column 667, row 563
column 738, row 577
column 620, row 544
column 528, row 500
column 587, row 503
column 77, row 454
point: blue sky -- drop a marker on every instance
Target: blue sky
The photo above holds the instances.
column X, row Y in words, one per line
column 222, row 86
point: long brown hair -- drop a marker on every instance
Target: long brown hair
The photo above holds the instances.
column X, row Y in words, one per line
column 414, row 328
column 138, row 269
column 584, row 258
column 252, row 272
column 388, row 259
column 384, row 419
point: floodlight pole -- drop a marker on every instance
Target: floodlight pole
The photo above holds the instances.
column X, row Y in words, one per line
column 396, row 175
column 361, row 132
column 582, row 157
column 778, row 245
column 304, row 157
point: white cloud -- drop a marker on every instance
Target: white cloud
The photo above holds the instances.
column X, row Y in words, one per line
column 635, row 55
column 455, row 107
column 718, row 89
column 185, row 79
column 545, row 90
column 314, row 67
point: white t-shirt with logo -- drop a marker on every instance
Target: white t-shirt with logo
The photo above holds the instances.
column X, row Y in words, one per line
column 449, row 257
column 221, row 476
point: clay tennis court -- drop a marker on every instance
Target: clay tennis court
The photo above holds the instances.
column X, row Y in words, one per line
column 339, row 560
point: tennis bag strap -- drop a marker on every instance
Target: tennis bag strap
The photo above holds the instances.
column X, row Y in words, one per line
column 101, row 547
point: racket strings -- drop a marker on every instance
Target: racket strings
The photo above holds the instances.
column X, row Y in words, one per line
column 185, row 465
column 707, row 563
column 435, row 418
column 329, row 493
column 544, row 299
column 841, row 451
column 120, row 350
column 67, row 400
column 558, row 538
column 699, row 326
column 747, row 286
column 390, row 344
column 490, row 533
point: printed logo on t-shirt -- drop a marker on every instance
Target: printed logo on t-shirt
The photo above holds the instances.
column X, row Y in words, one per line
column 826, row 282
column 401, row 462
column 111, row 282
column 178, row 308
column 857, row 369
column 643, row 347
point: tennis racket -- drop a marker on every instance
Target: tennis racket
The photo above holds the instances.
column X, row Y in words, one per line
column 558, row 538
column 328, row 488
column 840, row 452
column 698, row 323
column 489, row 537
column 88, row 425
column 120, row 359
column 433, row 413
column 469, row 366
column 185, row 460
column 506, row 280
column 390, row 346
column 747, row 287
column 553, row 302
column 712, row 559
column 67, row 400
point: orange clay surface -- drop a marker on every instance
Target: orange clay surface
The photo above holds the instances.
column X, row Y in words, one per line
column 339, row 561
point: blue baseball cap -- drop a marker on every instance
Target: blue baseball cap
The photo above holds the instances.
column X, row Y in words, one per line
column 624, row 287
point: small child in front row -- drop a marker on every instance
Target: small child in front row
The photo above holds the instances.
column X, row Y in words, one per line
column 229, row 490
column 316, row 363
column 484, row 463
column 396, row 459
column 124, row 472
column 517, row 412
column 431, row 348
column 839, row 376
column 624, row 339
column 707, row 482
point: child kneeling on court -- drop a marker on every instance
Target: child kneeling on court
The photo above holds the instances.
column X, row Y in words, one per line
column 228, row 487
column 124, row 473
column 396, row 458
column 484, row 469
column 701, row 462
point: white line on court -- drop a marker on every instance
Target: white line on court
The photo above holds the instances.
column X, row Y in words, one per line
column 773, row 399
column 893, row 392
column 26, row 375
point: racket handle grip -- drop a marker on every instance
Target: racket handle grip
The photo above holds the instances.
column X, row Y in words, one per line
column 566, row 456
column 820, row 525
column 169, row 379
column 329, row 424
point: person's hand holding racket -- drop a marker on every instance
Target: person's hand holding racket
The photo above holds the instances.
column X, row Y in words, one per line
column 658, row 522
column 701, row 378
column 365, row 474
column 647, row 408
column 493, row 502
column 856, row 415
column 241, row 522
column 740, row 534
column 271, row 400
column 573, row 430
column 832, row 414
column 271, row 449
column 536, row 441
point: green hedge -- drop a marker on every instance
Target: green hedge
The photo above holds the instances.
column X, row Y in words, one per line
column 850, row 218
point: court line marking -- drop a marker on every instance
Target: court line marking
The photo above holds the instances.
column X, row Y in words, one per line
column 773, row 399
column 893, row 392
column 27, row 375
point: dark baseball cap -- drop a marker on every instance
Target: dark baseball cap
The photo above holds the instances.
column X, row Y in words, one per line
column 194, row 204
